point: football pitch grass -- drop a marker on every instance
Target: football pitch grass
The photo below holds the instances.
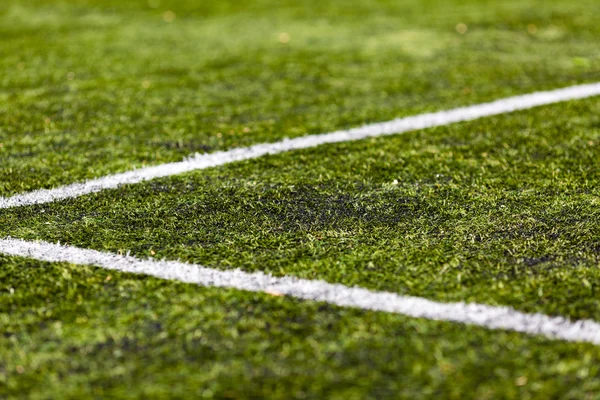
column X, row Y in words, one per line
column 501, row 211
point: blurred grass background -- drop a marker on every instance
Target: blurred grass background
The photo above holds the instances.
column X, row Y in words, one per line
column 93, row 87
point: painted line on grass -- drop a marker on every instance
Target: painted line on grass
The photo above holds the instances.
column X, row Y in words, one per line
column 396, row 126
column 491, row 317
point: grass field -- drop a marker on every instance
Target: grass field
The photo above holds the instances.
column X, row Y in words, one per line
column 501, row 211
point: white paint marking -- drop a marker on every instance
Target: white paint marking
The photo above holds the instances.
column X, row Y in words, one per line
column 202, row 161
column 473, row 314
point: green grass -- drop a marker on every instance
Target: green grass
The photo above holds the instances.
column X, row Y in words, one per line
column 83, row 332
column 500, row 211
column 504, row 210
column 218, row 76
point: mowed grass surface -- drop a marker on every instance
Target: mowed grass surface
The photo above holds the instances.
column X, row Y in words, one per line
column 73, row 332
column 498, row 211
column 93, row 87
column 504, row 210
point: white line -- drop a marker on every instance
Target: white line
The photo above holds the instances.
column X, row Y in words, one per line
column 473, row 314
column 202, row 161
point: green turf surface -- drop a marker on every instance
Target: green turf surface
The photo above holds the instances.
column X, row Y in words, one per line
column 84, row 332
column 504, row 210
column 498, row 211
column 92, row 87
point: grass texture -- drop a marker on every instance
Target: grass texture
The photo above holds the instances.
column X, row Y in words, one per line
column 499, row 211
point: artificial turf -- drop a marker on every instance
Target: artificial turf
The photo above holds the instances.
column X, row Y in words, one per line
column 90, row 87
column 497, row 211
column 503, row 210
column 73, row 332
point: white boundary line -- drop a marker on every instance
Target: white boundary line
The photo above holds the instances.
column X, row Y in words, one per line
column 490, row 317
column 202, row 161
